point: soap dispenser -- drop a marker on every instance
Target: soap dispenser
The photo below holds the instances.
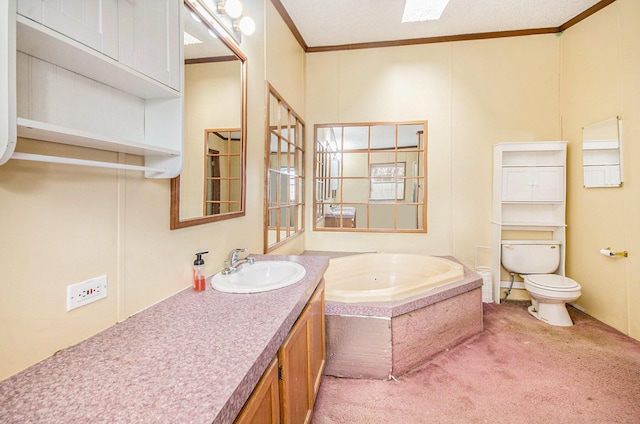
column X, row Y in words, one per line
column 198, row 272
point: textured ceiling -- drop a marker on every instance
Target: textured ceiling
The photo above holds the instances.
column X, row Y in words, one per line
column 340, row 22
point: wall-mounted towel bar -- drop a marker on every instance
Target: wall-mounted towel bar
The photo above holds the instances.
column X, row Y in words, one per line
column 83, row 162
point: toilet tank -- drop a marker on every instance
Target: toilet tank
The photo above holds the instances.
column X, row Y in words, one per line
column 531, row 256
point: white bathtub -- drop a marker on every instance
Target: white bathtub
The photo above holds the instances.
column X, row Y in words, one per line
column 380, row 277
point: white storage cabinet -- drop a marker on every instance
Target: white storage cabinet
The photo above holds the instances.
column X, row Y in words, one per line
column 100, row 74
column 529, row 193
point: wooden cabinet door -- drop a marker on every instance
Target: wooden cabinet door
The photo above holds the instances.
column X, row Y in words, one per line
column 263, row 407
column 295, row 396
column 293, row 377
column 149, row 31
column 317, row 351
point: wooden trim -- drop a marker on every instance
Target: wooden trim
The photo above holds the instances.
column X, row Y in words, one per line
column 431, row 40
column 174, row 221
column 210, row 60
column 265, row 180
column 422, row 179
column 584, row 15
column 287, row 20
column 299, row 147
column 174, row 207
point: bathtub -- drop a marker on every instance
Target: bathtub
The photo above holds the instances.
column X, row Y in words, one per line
column 383, row 277
column 386, row 314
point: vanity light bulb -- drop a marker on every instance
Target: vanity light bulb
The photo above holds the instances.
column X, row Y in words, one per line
column 247, row 26
column 233, row 8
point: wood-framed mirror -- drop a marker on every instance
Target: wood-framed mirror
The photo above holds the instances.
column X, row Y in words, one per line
column 211, row 186
column 371, row 177
column 284, row 173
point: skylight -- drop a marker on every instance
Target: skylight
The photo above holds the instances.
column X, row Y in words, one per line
column 423, row 10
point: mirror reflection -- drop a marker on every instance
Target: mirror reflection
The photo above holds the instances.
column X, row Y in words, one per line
column 370, row 177
column 211, row 185
column 223, row 153
column 285, row 173
column 601, row 151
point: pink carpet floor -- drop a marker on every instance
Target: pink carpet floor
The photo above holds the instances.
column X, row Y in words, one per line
column 519, row 370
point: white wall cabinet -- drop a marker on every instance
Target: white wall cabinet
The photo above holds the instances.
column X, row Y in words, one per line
column 533, row 184
column 100, row 74
column 148, row 29
column 92, row 23
column 529, row 194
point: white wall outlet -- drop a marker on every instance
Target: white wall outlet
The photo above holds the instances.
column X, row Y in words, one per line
column 83, row 293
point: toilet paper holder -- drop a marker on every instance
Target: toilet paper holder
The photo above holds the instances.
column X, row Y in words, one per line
column 611, row 253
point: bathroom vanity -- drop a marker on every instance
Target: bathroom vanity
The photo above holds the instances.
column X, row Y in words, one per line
column 196, row 357
column 287, row 390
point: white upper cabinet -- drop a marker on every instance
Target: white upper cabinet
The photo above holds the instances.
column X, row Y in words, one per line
column 529, row 184
column 103, row 74
column 92, row 23
column 148, row 26
column 141, row 34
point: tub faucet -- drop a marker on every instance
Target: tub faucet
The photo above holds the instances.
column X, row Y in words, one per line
column 233, row 263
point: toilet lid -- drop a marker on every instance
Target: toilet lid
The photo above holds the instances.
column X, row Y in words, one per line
column 552, row 281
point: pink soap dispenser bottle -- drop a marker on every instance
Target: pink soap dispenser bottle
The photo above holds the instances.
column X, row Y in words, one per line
column 198, row 273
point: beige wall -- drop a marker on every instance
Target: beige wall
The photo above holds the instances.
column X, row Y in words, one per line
column 473, row 94
column 62, row 224
column 600, row 80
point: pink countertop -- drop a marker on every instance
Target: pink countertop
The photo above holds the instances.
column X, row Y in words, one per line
column 193, row 358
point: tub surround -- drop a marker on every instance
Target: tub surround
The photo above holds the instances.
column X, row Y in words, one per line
column 381, row 340
column 394, row 308
column 193, row 358
column 380, row 277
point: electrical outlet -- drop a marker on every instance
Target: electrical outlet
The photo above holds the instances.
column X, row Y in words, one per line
column 83, row 293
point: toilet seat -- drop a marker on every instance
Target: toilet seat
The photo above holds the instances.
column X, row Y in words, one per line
column 552, row 282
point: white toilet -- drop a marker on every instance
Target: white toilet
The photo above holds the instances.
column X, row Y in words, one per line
column 535, row 261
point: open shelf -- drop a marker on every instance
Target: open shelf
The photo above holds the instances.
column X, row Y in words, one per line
column 37, row 130
column 63, row 91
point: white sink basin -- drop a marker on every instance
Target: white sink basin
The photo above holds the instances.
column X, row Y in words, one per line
column 259, row 277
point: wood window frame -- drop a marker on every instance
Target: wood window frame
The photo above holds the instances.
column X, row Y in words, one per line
column 284, row 167
column 336, row 209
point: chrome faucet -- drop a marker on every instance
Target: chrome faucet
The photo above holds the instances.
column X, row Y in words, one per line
column 233, row 263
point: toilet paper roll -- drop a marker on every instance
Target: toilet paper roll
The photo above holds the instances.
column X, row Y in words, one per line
column 607, row 252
